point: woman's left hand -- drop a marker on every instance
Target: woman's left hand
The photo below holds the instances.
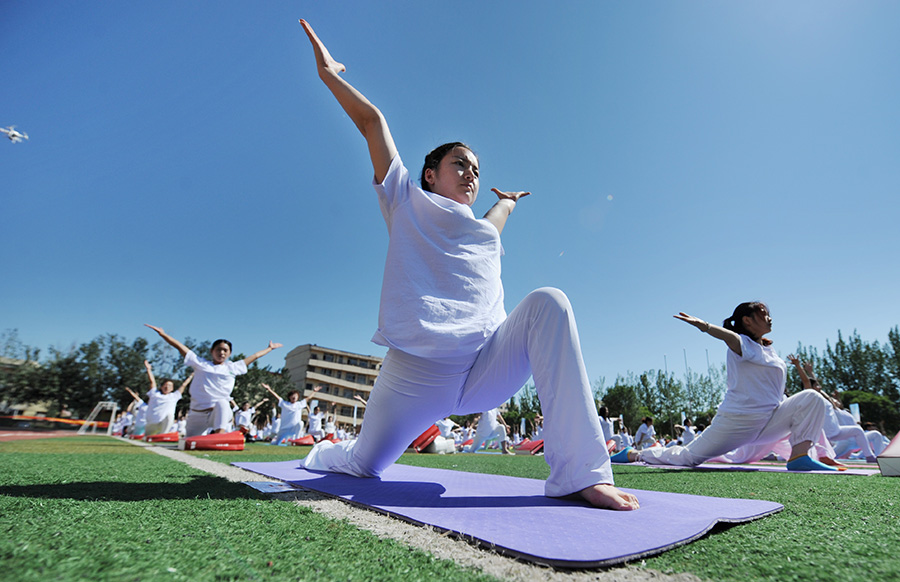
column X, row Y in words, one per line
column 514, row 196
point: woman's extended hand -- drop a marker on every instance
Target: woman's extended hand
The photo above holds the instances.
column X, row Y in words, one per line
column 514, row 196
column 324, row 61
column 696, row 322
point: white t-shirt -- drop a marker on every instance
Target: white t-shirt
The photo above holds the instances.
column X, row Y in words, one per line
column 291, row 412
column 755, row 379
column 688, row 435
column 161, row 406
column 140, row 412
column 243, row 417
column 445, row 425
column 211, row 382
column 315, row 421
column 645, row 434
column 441, row 295
column 607, row 426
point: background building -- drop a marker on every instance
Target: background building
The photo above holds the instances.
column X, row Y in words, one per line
column 342, row 376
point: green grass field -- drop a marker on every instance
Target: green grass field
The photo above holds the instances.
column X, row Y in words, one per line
column 96, row 508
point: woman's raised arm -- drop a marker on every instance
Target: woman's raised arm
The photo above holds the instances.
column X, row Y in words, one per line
column 182, row 349
column 367, row 117
column 731, row 339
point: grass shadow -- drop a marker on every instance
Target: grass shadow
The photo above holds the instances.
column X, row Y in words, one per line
column 204, row 486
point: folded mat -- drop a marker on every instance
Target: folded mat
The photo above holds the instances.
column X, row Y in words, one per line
column 512, row 516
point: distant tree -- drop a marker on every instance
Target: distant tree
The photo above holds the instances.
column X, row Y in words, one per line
column 874, row 408
column 622, row 400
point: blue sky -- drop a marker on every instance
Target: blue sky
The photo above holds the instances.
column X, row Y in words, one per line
column 187, row 168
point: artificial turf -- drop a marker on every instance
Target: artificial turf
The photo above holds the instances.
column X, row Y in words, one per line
column 94, row 508
column 833, row 527
column 101, row 509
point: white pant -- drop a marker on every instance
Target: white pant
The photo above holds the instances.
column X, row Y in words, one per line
column 539, row 337
column 486, row 435
column 164, row 426
column 800, row 418
column 855, row 435
column 215, row 418
column 288, row 432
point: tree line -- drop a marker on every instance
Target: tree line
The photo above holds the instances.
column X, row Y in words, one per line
column 79, row 377
column 863, row 372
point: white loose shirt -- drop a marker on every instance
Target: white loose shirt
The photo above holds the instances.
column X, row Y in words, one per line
column 441, row 295
column 315, row 421
column 755, row 379
column 291, row 412
column 212, row 382
column 243, row 417
column 161, row 406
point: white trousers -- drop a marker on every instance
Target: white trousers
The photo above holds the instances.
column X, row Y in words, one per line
column 856, row 437
column 288, row 432
column 164, row 426
column 483, row 436
column 539, row 338
column 799, row 418
column 217, row 417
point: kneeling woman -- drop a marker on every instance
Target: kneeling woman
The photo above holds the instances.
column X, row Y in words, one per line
column 755, row 410
column 212, row 384
column 451, row 347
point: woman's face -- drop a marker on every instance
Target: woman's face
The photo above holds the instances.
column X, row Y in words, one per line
column 456, row 177
column 220, row 353
column 167, row 387
column 759, row 324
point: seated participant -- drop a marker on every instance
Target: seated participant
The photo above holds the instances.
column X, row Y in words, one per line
column 212, row 385
column 754, row 410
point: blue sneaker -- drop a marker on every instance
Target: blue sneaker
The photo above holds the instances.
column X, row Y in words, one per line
column 807, row 463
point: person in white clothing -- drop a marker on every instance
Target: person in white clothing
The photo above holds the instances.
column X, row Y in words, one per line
column 688, row 433
column 316, row 418
column 243, row 416
column 606, row 423
column 491, row 427
column 161, row 402
column 290, row 424
column 138, row 410
column 452, row 349
column 645, row 435
column 212, row 384
column 754, row 411
column 446, row 426
column 835, row 430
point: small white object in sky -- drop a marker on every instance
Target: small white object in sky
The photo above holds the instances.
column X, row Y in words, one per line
column 610, row 197
column 13, row 135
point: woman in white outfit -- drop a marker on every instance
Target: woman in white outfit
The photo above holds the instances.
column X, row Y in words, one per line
column 213, row 382
column 452, row 348
column 161, row 403
column 754, row 410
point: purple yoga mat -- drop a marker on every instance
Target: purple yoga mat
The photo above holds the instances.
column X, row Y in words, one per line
column 779, row 468
column 512, row 516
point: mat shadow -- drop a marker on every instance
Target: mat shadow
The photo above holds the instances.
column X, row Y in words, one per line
column 206, row 486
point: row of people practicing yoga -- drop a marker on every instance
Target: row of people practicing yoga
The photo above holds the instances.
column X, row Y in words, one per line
column 453, row 349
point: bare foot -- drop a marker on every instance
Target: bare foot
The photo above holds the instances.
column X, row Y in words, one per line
column 833, row 463
column 608, row 496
